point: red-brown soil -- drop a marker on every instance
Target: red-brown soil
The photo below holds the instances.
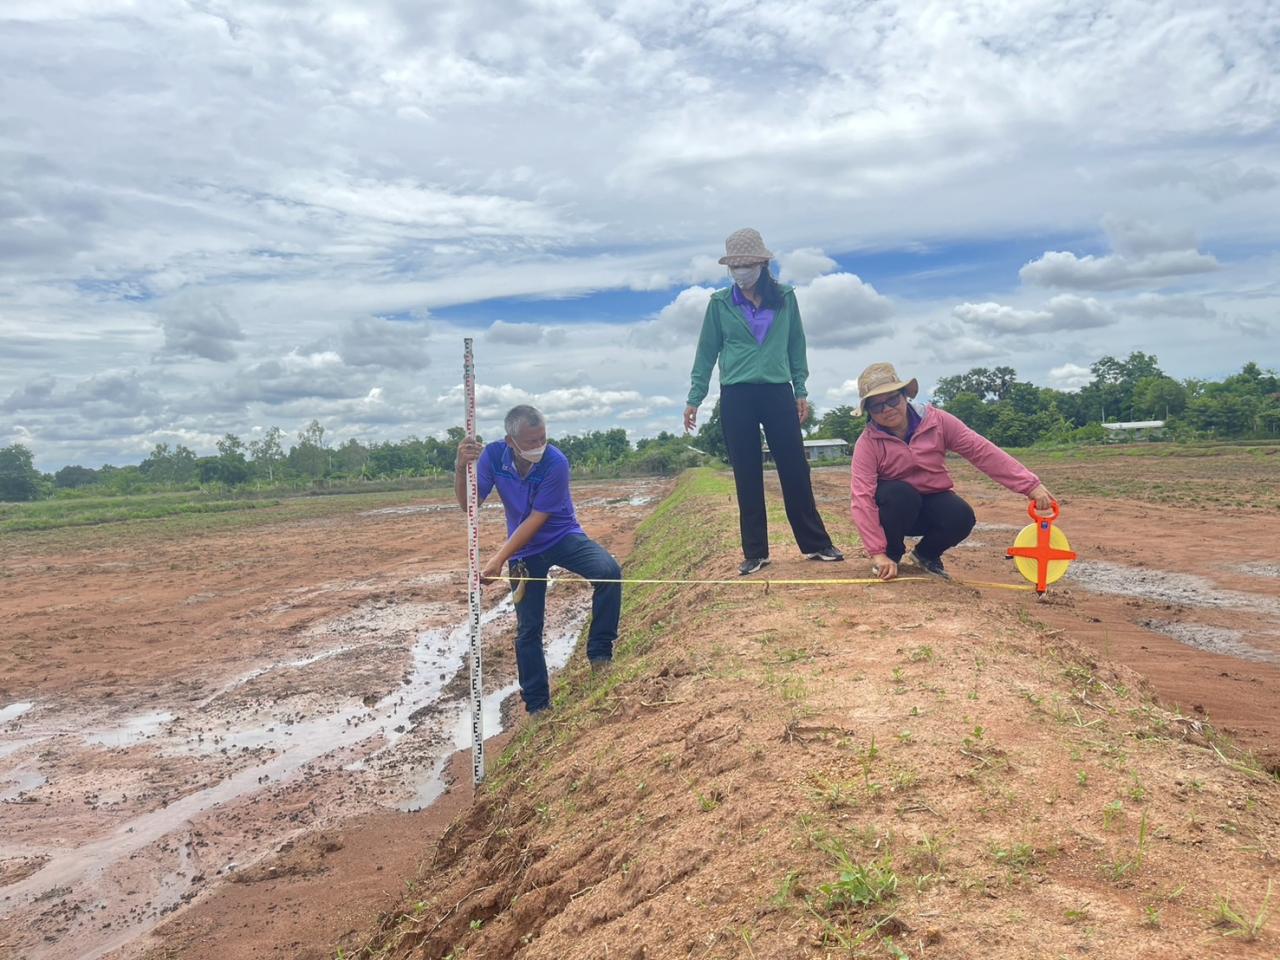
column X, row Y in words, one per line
column 729, row 755
column 917, row 769
column 186, row 709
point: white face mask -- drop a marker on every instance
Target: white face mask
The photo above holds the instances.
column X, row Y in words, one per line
column 745, row 277
column 532, row 456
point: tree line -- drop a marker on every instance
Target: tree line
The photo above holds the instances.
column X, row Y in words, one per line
column 1015, row 413
column 313, row 459
column 1011, row 412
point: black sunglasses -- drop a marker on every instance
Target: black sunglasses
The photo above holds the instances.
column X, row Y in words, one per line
column 876, row 406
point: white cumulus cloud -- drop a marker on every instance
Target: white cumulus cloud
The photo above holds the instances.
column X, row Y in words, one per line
column 804, row 265
column 841, row 310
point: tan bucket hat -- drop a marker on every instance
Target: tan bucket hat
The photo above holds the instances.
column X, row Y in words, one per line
column 881, row 378
column 744, row 247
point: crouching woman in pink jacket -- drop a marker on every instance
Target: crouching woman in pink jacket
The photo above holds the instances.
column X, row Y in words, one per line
column 900, row 486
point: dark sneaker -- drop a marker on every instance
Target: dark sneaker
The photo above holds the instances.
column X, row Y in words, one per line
column 930, row 565
column 829, row 554
column 751, row 566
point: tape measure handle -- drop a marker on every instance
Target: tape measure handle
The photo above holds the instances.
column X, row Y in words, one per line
column 1034, row 512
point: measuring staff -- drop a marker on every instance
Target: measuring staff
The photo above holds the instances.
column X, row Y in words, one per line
column 532, row 479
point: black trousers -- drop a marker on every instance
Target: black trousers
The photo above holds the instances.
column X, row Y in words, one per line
column 744, row 409
column 941, row 519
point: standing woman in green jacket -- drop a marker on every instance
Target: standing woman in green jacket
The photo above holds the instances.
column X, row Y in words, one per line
column 753, row 330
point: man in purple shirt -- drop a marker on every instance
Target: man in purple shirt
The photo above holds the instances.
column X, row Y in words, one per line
column 532, row 478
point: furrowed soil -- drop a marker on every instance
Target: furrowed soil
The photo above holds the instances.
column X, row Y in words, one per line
column 770, row 770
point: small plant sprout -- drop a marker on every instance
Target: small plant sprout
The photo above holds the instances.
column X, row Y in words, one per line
column 1236, row 922
column 834, row 794
column 1016, row 855
column 1137, row 792
column 1082, row 778
column 1111, row 813
column 786, row 889
column 710, row 800
column 859, row 885
column 921, row 654
column 1151, row 916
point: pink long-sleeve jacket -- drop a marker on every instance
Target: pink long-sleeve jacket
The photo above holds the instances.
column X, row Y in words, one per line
column 879, row 455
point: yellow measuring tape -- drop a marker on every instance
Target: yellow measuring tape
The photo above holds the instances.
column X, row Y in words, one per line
column 766, row 581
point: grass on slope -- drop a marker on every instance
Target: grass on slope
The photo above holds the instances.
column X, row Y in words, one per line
column 911, row 770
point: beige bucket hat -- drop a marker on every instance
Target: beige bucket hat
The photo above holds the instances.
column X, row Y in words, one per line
column 745, row 247
column 881, row 378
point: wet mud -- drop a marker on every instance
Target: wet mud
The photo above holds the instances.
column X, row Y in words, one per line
column 320, row 700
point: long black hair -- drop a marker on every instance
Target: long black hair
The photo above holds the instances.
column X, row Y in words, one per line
column 768, row 289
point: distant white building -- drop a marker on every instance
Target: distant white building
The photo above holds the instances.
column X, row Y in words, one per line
column 1134, row 429
column 818, row 450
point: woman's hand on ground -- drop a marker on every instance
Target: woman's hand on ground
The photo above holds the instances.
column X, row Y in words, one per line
column 1042, row 497
column 690, row 419
column 802, row 408
column 883, row 567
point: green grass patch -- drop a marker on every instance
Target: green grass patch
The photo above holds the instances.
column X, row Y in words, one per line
column 53, row 514
column 88, row 523
column 674, row 542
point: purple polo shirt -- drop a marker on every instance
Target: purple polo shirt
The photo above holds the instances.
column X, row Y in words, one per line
column 545, row 489
column 759, row 320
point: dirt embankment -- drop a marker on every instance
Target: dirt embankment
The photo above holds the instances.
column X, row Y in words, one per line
column 922, row 769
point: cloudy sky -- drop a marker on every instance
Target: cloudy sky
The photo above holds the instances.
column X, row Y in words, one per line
column 222, row 215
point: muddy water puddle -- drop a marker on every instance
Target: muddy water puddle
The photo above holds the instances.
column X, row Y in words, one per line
column 1103, row 577
column 113, row 820
column 1234, row 623
column 1212, row 639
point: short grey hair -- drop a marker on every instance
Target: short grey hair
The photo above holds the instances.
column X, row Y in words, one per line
column 522, row 416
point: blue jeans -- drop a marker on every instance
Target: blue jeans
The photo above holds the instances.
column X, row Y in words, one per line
column 585, row 557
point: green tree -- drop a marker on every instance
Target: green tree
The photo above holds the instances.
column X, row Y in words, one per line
column 1159, row 397
column 982, row 383
column 19, row 479
column 1114, row 382
column 310, row 457
column 232, row 467
column 73, row 477
column 841, row 423
column 976, row 415
column 350, row 458
column 268, row 453
column 159, row 465
column 665, row 454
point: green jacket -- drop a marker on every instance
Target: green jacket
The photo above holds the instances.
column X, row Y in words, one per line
column 727, row 337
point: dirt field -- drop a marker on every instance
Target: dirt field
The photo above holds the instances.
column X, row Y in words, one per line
column 176, row 707
column 210, row 738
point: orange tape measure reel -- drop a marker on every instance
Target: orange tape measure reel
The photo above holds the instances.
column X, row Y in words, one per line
column 1040, row 551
